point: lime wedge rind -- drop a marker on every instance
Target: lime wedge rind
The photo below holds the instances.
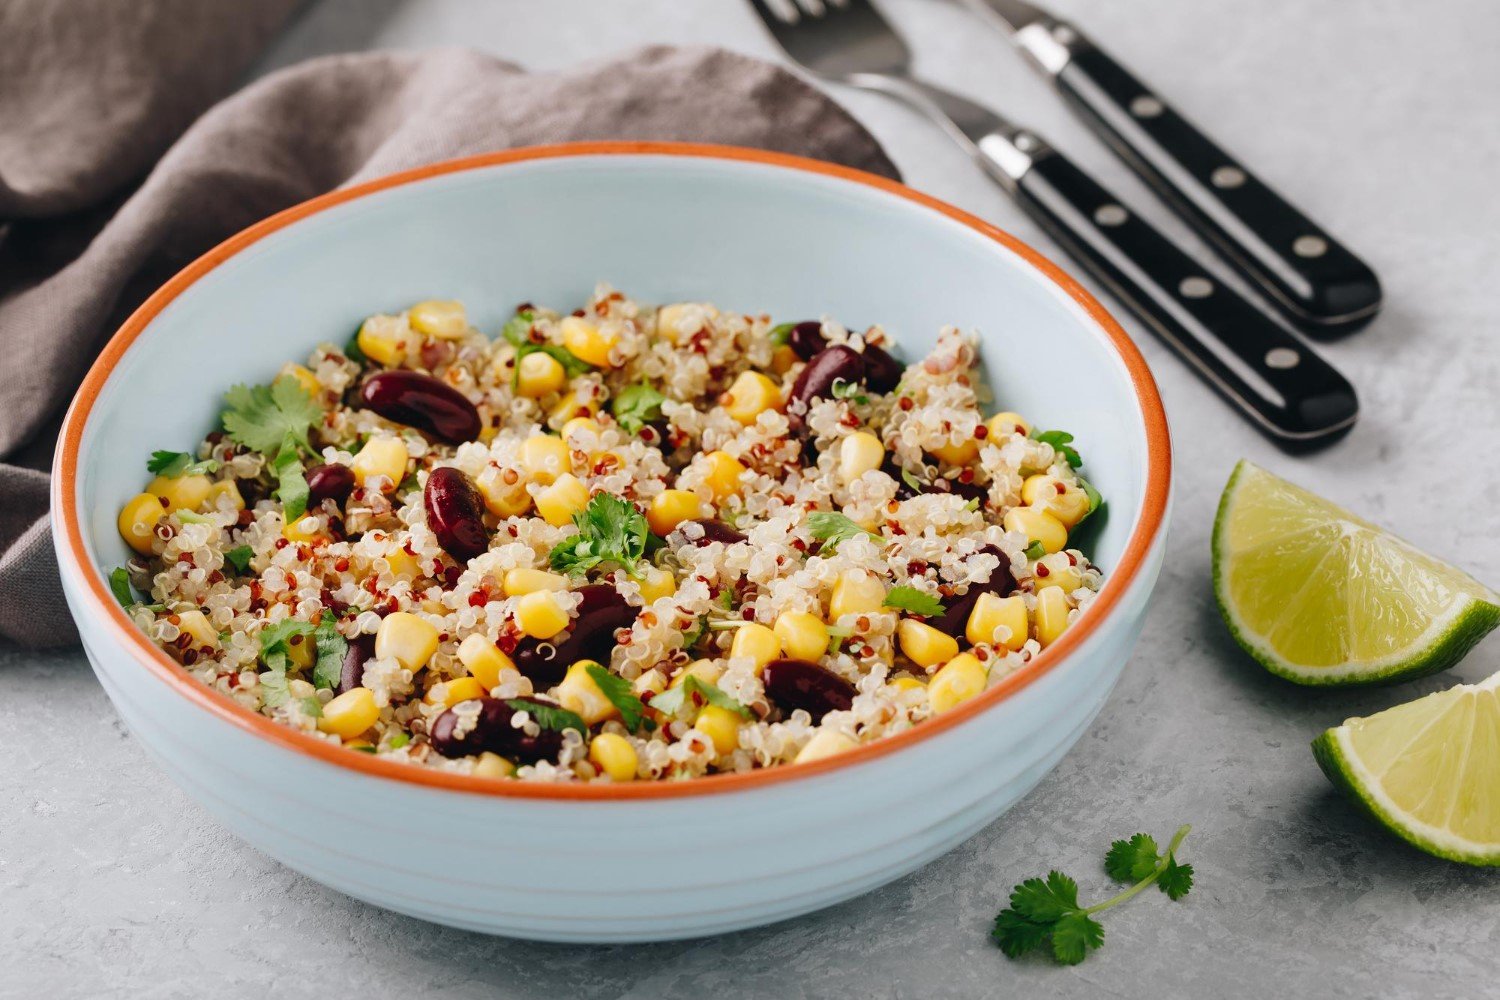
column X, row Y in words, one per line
column 1445, row 641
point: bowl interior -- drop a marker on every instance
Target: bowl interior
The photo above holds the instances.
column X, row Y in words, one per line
column 748, row 236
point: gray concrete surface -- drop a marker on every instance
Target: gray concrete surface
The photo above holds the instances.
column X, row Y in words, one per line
column 1379, row 118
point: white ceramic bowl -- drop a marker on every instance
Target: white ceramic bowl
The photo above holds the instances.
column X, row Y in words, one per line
column 748, row 230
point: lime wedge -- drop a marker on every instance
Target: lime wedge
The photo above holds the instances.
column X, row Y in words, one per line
column 1320, row 596
column 1426, row 770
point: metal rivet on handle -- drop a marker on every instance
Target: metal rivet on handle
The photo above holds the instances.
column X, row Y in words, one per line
column 1026, row 142
column 1282, row 358
column 1064, row 35
column 1146, row 106
column 1228, row 177
column 1196, row 288
column 1310, row 246
column 1110, row 215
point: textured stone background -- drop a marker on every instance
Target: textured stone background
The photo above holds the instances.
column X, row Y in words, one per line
column 1379, row 118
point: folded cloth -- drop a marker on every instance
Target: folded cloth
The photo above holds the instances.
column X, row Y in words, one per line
column 67, row 280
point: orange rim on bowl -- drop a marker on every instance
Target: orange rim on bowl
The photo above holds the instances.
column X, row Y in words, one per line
column 156, row 662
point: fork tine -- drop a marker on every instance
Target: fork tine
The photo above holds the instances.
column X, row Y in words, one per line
column 772, row 18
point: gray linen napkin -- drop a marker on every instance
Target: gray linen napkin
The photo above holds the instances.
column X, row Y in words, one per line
column 81, row 250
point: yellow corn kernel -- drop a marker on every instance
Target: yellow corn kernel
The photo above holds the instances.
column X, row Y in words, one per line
column 568, row 408
column 856, row 592
column 523, row 581
column 138, row 519
column 1068, row 504
column 706, row 671
column 411, row 640
column 861, row 452
column 195, row 623
column 539, row 615
column 656, row 584
column 578, row 692
column 925, row 645
column 1037, row 526
column 757, row 643
column 539, row 374
column 350, row 714
column 958, row 680
column 650, row 682
column 307, row 528
column 545, row 458
column 722, row 474
column 1051, row 615
column 992, row 613
column 441, row 318
column 782, row 359
column 403, row 563
column 587, row 426
column 182, row 493
column 383, row 457
column 613, row 754
column 908, row 684
column 803, row 635
column 303, row 376
column 827, row 743
column 1005, row 424
column 750, row 396
column 302, row 651
column 559, row 502
column 492, row 765
column 957, row 454
column 383, row 339
column 721, row 726
column 502, row 499
column 484, row 660
column 586, row 341
column 683, row 319
column 225, row 489
column 1057, row 570
column 450, row 693
column 669, row 508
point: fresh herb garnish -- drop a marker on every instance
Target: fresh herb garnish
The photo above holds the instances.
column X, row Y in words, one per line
column 352, row 350
column 1095, row 499
column 331, row 646
column 1062, row 443
column 781, row 334
column 911, row 480
column 119, row 585
column 549, row 716
column 267, row 418
column 291, row 487
column 671, row 701
column 918, row 602
column 831, row 528
column 617, row 689
column 239, row 557
column 173, row 464
column 312, row 706
column 843, row 389
column 1035, row 551
column 276, row 642
column 1046, row 911
column 572, row 363
column 691, row 639
column 836, row 636
column 635, row 406
column 274, row 686
column 517, row 329
column 609, row 530
column 398, row 741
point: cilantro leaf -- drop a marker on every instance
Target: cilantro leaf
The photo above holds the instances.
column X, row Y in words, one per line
column 119, row 585
column 399, row 740
column 1074, row 935
column 572, row 363
column 617, row 689
column 292, row 488
column 1016, row 935
column 331, row 646
column 264, row 418
column 918, row 602
column 1035, row 551
column 1043, row 901
column 1132, row 860
column 691, row 638
column 1062, row 443
column 552, row 717
column 843, row 389
column 831, row 528
column 692, row 691
column 276, row 642
column 609, row 530
column 239, row 557
column 781, row 334
column 352, row 350
column 635, row 406
column 274, row 690
column 1176, row 880
column 174, row 464
column 517, row 329
column 312, row 706
column 911, row 480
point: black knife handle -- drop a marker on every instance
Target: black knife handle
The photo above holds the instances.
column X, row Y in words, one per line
column 1265, row 370
column 1315, row 280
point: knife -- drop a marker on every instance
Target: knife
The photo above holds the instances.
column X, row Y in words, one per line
column 1313, row 279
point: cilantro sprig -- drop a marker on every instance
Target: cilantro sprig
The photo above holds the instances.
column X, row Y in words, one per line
column 609, row 530
column 173, row 464
column 119, row 585
column 1046, row 911
column 330, row 646
column 265, row 418
column 832, row 528
column 239, row 557
column 635, row 406
column 551, row 717
column 918, row 602
column 617, row 689
column 671, row 701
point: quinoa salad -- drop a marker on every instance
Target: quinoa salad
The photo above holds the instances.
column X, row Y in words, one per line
column 626, row 543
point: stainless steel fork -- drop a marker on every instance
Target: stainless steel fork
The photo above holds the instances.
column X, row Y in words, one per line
column 1269, row 374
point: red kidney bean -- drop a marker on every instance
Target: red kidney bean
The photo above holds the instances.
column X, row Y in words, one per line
column 837, row 363
column 361, row 650
column 601, row 612
column 423, row 402
column 493, row 731
column 715, row 530
column 329, row 482
column 956, row 616
column 455, row 513
column 882, row 372
column 806, row 339
column 794, row 684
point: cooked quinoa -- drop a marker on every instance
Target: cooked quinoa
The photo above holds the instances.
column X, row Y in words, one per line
column 625, row 543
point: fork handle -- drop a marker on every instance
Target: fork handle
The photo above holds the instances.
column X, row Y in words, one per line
column 1263, row 369
column 1311, row 277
